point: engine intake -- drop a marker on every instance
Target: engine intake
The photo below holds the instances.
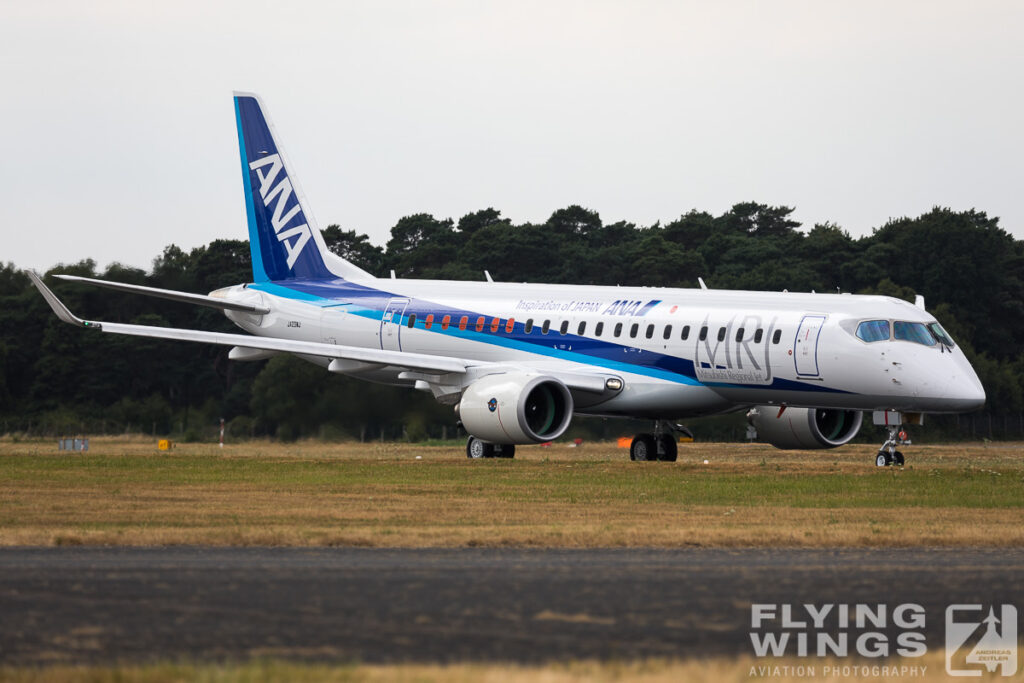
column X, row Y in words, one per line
column 515, row 408
column 805, row 428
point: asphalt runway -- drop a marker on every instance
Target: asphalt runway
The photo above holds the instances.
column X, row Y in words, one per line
column 371, row 605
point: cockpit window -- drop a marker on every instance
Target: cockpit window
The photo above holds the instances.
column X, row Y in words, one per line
column 941, row 334
column 873, row 330
column 915, row 332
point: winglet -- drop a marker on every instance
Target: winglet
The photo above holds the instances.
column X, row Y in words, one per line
column 57, row 305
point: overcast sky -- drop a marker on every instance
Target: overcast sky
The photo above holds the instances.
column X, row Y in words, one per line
column 119, row 136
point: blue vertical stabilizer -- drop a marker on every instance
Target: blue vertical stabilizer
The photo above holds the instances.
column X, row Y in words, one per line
column 283, row 237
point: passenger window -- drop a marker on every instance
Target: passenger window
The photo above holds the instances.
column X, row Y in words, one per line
column 463, row 321
column 913, row 332
column 873, row 330
column 634, row 329
column 480, row 324
column 668, row 332
column 650, row 331
column 546, row 327
column 495, row 324
column 510, row 325
column 739, row 335
column 758, row 335
column 721, row 334
column 618, row 329
column 428, row 321
column 703, row 332
column 777, row 337
column 599, row 328
column 528, row 327
column 686, row 332
column 445, row 322
column 564, row 327
column 581, row 329
column 412, row 320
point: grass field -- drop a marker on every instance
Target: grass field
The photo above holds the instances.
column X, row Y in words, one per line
column 126, row 492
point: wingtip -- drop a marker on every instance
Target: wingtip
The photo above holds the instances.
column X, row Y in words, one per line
column 56, row 304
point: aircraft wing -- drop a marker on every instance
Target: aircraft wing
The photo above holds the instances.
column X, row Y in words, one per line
column 412, row 361
column 424, row 364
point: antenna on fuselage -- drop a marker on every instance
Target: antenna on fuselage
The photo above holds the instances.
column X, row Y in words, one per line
column 488, row 276
column 701, row 281
column 919, row 301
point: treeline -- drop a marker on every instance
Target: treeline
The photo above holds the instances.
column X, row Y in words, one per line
column 57, row 379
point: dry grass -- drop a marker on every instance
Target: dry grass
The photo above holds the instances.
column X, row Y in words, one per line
column 312, row 494
column 930, row 667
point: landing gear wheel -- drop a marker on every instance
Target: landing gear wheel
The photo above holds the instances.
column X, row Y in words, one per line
column 643, row 448
column 669, row 450
column 475, row 448
column 504, row 450
column 883, row 459
column 898, row 459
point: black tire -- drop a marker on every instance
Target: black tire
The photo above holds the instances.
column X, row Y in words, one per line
column 476, row 449
column 669, row 449
column 643, row 448
column 504, row 450
column 883, row 459
column 898, row 459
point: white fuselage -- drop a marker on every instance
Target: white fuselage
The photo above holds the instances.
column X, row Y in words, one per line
column 678, row 352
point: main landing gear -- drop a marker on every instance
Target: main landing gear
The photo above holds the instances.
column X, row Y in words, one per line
column 661, row 445
column 475, row 448
column 887, row 454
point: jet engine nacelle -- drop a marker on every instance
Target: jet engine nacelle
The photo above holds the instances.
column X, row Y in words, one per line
column 516, row 408
column 805, row 428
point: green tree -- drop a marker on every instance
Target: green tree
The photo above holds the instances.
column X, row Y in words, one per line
column 355, row 248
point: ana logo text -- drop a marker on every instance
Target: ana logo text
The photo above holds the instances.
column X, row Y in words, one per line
column 280, row 194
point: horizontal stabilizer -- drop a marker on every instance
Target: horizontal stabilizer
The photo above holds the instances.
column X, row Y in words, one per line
column 183, row 297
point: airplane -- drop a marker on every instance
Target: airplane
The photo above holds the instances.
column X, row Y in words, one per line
column 517, row 361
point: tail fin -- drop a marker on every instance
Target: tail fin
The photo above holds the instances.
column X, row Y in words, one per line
column 283, row 237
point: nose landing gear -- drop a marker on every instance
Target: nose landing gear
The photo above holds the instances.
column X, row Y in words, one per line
column 887, row 454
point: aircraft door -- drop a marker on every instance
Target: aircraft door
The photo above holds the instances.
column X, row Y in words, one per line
column 805, row 348
column 391, row 325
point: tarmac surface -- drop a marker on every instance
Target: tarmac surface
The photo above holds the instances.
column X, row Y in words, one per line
column 370, row 605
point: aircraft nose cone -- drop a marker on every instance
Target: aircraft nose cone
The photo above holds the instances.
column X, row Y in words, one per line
column 965, row 390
